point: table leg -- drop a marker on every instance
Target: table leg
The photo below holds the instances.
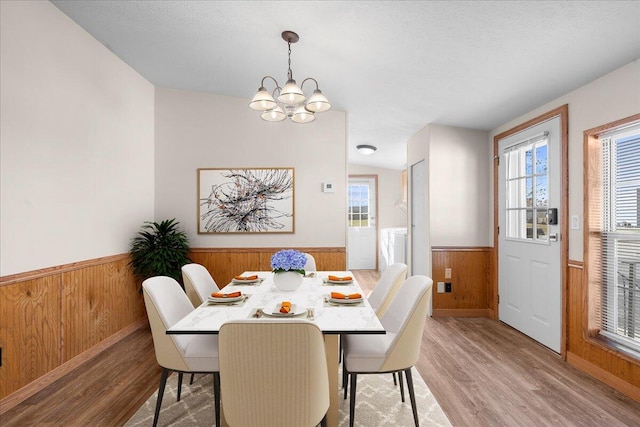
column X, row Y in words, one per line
column 331, row 349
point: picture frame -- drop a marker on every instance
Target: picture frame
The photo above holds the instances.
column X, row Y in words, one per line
column 246, row 200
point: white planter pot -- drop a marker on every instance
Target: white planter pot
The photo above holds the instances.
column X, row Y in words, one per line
column 287, row 280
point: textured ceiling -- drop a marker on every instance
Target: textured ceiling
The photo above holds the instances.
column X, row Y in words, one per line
column 392, row 66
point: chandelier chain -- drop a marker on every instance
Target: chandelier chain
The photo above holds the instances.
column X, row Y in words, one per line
column 290, row 74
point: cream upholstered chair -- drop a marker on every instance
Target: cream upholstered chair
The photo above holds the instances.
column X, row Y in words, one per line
column 167, row 303
column 273, row 373
column 198, row 283
column 386, row 288
column 399, row 348
column 310, row 266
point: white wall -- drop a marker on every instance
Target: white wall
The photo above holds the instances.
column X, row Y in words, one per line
column 204, row 130
column 418, row 150
column 612, row 97
column 76, row 142
column 389, row 194
column 459, row 196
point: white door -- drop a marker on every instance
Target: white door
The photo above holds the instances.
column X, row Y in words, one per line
column 362, row 236
column 529, row 273
column 418, row 220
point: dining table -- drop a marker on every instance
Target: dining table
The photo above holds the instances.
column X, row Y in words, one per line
column 260, row 299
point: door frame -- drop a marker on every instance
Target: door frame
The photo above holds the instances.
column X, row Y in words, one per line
column 563, row 113
column 373, row 177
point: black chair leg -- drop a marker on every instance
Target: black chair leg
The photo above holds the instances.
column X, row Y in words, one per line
column 192, row 377
column 323, row 423
column 216, row 396
column 179, row 385
column 412, row 396
column 395, row 382
column 352, row 399
column 401, row 386
column 163, row 383
column 345, row 380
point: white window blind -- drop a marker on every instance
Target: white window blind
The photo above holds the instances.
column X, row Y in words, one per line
column 620, row 230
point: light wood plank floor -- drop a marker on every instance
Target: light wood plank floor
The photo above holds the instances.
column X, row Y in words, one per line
column 482, row 372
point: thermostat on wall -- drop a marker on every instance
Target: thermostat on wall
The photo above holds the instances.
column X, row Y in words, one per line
column 327, row 187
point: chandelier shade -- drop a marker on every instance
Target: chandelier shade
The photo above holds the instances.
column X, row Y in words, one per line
column 290, row 99
column 263, row 101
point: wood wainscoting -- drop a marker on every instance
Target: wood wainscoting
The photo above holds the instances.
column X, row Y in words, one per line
column 53, row 319
column 224, row 263
column 50, row 316
column 470, row 272
column 589, row 355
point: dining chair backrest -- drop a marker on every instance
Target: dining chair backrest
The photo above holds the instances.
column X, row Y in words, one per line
column 405, row 320
column 273, row 373
column 198, row 283
column 167, row 303
column 310, row 266
column 387, row 287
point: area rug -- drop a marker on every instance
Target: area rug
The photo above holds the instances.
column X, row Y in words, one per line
column 377, row 404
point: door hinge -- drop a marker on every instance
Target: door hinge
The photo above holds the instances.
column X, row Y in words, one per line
column 498, row 229
column 497, row 158
column 498, row 298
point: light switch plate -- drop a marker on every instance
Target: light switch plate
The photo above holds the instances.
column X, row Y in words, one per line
column 441, row 287
column 575, row 222
column 327, row 187
column 447, row 273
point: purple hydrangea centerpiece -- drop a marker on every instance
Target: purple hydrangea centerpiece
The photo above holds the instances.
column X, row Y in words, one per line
column 288, row 260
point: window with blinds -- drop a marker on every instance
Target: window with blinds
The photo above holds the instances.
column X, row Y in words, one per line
column 620, row 236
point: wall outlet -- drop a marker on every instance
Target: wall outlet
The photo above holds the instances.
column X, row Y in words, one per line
column 447, row 273
column 447, row 287
column 440, row 287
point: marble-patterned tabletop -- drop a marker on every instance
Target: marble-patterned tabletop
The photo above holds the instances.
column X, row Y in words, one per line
column 310, row 300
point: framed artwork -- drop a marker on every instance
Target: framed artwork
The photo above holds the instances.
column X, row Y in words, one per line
column 258, row 200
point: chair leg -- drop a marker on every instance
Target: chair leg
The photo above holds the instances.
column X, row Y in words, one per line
column 345, row 380
column 412, row 396
column 179, row 385
column 352, row 399
column 395, row 382
column 401, row 386
column 163, row 383
column 216, row 396
column 323, row 422
column 192, row 377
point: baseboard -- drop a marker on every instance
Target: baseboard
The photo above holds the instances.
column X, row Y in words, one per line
column 606, row 377
column 50, row 377
column 460, row 312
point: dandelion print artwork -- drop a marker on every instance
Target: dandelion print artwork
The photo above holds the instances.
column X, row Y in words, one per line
column 245, row 200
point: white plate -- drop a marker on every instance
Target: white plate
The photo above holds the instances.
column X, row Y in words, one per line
column 345, row 301
column 275, row 311
column 224, row 300
column 245, row 281
column 340, row 282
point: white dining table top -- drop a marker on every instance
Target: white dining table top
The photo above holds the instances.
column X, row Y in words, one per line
column 331, row 319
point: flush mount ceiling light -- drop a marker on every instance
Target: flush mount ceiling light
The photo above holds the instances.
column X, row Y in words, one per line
column 366, row 149
column 291, row 99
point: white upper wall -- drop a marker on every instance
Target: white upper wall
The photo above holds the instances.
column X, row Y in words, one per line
column 389, row 194
column 204, row 130
column 607, row 99
column 76, row 142
column 459, row 196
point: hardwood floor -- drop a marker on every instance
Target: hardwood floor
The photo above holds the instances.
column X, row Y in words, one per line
column 482, row 372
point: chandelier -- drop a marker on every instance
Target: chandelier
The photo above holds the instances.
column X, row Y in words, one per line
column 291, row 99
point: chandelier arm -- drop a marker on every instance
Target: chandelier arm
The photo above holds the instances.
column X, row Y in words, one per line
column 310, row 78
column 269, row 77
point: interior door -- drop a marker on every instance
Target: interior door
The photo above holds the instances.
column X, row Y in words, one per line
column 362, row 234
column 418, row 220
column 529, row 272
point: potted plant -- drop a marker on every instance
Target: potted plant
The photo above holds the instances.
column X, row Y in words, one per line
column 288, row 268
column 159, row 249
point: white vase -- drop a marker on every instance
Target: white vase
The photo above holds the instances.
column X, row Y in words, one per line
column 287, row 280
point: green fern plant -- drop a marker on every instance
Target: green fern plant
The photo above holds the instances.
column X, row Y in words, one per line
column 159, row 249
